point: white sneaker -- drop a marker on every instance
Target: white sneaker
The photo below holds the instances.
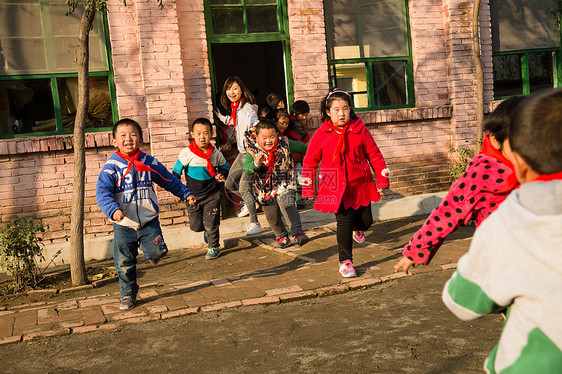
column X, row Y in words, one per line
column 244, row 211
column 254, row 228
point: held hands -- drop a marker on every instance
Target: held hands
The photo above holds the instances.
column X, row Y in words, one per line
column 118, row 215
column 191, row 200
column 405, row 264
column 220, row 178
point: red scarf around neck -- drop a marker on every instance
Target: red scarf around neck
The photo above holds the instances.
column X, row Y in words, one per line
column 549, row 177
column 340, row 149
column 489, row 150
column 271, row 159
column 207, row 156
column 234, row 108
column 139, row 166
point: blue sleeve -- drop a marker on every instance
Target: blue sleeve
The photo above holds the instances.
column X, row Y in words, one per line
column 179, row 167
column 104, row 192
column 167, row 181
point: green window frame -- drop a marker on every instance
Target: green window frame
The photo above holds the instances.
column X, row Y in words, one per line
column 531, row 58
column 370, row 60
column 244, row 17
column 246, row 34
column 53, row 81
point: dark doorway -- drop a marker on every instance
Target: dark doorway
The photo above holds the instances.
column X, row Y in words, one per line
column 260, row 65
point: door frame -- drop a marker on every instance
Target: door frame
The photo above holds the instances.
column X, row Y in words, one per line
column 282, row 36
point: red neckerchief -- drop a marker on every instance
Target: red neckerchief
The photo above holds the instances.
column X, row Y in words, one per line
column 234, row 108
column 207, row 156
column 489, row 150
column 139, row 166
column 549, row 177
column 342, row 132
column 306, row 138
column 271, row 159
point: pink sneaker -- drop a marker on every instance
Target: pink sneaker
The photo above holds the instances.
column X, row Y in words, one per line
column 347, row 270
column 359, row 236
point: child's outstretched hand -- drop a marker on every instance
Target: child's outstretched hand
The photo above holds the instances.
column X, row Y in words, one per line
column 405, row 264
column 220, row 178
column 191, row 200
column 258, row 157
column 118, row 215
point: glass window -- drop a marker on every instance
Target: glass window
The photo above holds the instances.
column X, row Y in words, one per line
column 526, row 46
column 369, row 52
column 38, row 69
column 26, row 106
column 244, row 16
column 507, row 75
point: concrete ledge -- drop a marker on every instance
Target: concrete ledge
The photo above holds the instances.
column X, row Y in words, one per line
column 233, row 229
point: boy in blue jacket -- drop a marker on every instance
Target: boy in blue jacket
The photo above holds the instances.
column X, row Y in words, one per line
column 125, row 194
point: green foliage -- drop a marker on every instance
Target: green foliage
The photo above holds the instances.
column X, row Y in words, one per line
column 459, row 165
column 19, row 248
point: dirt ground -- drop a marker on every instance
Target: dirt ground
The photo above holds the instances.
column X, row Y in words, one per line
column 400, row 326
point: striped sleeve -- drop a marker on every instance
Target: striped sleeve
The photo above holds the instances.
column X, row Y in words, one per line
column 466, row 299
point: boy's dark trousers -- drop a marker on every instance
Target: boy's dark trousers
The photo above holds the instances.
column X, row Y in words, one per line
column 205, row 216
column 347, row 221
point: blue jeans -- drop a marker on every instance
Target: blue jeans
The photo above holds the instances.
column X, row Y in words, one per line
column 126, row 242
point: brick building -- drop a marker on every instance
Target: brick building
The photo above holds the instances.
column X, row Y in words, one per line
column 407, row 63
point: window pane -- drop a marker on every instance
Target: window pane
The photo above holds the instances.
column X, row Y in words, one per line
column 65, row 40
column 26, row 106
column 541, row 70
column 262, row 19
column 389, row 80
column 383, row 28
column 20, row 20
column 353, row 79
column 22, row 56
column 523, row 24
column 507, row 75
column 21, row 39
column 99, row 110
column 341, row 29
column 227, row 21
column 66, row 51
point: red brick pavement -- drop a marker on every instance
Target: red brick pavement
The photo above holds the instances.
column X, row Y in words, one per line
column 311, row 272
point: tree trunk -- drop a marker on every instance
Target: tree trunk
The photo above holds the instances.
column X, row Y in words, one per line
column 77, row 265
column 479, row 75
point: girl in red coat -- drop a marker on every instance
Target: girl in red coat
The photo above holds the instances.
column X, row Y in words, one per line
column 345, row 148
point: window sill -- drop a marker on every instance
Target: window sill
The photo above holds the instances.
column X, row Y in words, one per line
column 51, row 143
column 400, row 115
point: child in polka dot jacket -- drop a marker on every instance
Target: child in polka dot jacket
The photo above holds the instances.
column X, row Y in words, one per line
column 487, row 181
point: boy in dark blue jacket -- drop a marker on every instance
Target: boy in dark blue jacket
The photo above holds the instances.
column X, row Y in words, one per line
column 125, row 194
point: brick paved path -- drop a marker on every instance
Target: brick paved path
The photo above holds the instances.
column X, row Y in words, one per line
column 275, row 276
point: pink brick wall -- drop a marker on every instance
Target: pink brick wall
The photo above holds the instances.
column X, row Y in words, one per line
column 430, row 56
column 197, row 77
column 308, row 51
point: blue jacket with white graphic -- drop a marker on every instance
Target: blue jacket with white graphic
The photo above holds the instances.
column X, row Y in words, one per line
column 134, row 193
